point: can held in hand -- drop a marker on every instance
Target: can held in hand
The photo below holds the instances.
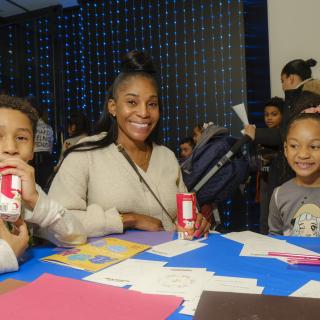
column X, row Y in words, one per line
column 186, row 212
column 10, row 197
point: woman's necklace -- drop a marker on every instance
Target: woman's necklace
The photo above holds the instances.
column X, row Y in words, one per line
column 145, row 162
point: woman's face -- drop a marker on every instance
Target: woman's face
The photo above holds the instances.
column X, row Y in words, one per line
column 290, row 82
column 136, row 108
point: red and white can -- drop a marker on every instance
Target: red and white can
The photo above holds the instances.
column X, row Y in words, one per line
column 10, row 197
column 186, row 213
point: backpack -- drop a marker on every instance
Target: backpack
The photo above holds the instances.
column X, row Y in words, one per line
column 214, row 144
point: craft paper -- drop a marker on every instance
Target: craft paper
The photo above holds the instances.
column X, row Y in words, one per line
column 241, row 112
column 125, row 273
column 98, row 254
column 310, row 290
column 51, row 297
column 176, row 247
column 10, row 284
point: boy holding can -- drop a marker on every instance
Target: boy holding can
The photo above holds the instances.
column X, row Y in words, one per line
column 18, row 122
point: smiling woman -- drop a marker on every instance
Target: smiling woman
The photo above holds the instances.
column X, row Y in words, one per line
column 110, row 191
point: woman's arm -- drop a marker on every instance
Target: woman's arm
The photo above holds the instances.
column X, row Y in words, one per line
column 70, row 187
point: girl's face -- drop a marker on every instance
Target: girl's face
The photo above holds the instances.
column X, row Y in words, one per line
column 272, row 116
column 302, row 150
column 136, row 108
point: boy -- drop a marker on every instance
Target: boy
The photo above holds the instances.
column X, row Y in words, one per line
column 186, row 147
column 18, row 122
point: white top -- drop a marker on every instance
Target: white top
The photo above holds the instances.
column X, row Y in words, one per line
column 96, row 185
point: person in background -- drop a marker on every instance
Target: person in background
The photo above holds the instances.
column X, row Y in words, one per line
column 18, row 121
column 186, row 147
column 43, row 161
column 78, row 128
column 296, row 77
column 101, row 179
column 295, row 205
column 196, row 133
column 273, row 110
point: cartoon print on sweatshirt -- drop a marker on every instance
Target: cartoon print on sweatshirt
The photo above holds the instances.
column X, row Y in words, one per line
column 306, row 222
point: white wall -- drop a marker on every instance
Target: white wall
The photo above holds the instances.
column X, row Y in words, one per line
column 294, row 33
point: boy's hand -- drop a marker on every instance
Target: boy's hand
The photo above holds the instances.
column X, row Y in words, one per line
column 18, row 241
column 20, row 168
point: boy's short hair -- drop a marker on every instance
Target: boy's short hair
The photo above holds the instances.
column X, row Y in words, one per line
column 21, row 105
column 188, row 140
column 276, row 102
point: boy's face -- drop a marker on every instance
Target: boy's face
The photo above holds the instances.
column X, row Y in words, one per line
column 185, row 150
column 272, row 116
column 302, row 149
column 16, row 135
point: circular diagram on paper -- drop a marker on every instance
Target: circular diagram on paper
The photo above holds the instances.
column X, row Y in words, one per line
column 176, row 281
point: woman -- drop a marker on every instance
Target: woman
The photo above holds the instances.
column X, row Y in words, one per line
column 96, row 180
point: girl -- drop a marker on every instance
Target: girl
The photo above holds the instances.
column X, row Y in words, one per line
column 298, row 200
column 124, row 179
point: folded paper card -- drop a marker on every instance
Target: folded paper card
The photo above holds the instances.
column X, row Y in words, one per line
column 98, row 254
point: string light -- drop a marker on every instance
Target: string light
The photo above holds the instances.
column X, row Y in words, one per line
column 11, row 53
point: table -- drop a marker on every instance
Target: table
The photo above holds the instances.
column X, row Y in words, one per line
column 221, row 256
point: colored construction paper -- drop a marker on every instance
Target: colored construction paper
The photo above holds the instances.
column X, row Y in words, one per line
column 145, row 237
column 10, row 284
column 97, row 254
column 51, row 297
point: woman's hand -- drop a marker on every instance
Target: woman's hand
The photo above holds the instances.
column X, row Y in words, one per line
column 18, row 240
column 20, row 168
column 250, row 130
column 141, row 222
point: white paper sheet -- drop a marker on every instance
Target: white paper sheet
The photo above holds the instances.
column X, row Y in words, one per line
column 241, row 112
column 125, row 273
column 175, row 247
column 309, row 290
column 182, row 282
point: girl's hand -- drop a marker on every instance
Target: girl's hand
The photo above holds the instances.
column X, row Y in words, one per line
column 141, row 222
column 17, row 241
column 20, row 168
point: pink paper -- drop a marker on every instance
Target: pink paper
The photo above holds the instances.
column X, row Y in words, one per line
column 51, row 297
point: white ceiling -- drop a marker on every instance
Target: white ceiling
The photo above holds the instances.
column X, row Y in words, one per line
column 8, row 8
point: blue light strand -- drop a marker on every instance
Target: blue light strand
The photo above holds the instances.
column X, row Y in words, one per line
column 126, row 20
column 143, row 43
column 242, row 63
column 150, row 48
column 186, row 86
column 159, row 19
column 214, row 64
column 225, row 114
column 117, row 41
column 167, row 68
column 98, row 63
column 175, row 44
column 115, row 60
column 28, row 45
column 88, row 41
column 11, row 61
column 204, row 63
column 67, row 73
column 195, row 63
column 82, row 63
column 229, row 63
column 105, row 54
column 134, row 25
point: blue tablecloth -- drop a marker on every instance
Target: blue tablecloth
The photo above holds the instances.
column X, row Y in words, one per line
column 221, row 256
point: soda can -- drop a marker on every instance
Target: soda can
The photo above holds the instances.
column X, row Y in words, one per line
column 10, row 197
column 186, row 213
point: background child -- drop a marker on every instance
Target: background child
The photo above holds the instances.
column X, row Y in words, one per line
column 273, row 111
column 295, row 205
column 18, row 122
column 186, row 146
